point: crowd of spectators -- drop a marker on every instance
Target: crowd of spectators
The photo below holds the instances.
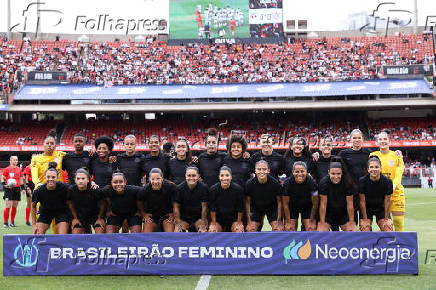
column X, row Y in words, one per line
column 155, row 62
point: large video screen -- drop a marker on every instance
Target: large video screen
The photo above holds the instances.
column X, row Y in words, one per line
column 204, row 19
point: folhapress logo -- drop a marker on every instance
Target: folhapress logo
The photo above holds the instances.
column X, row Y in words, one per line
column 297, row 251
column 26, row 253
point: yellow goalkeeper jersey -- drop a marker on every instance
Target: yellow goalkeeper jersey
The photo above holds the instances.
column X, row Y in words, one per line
column 392, row 167
column 39, row 165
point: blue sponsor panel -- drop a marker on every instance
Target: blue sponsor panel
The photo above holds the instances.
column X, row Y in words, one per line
column 230, row 91
column 266, row 253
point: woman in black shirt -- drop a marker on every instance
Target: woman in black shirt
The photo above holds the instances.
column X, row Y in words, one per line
column 87, row 205
column 52, row 197
column 298, row 151
column 100, row 167
column 336, row 199
column 262, row 197
column 177, row 165
column 300, row 197
column 375, row 192
column 124, row 203
column 190, row 203
column 156, row 158
column 158, row 197
column 274, row 159
column 226, row 204
column 240, row 166
column 210, row 162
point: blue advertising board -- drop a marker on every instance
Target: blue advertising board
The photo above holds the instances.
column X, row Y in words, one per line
column 263, row 253
column 221, row 91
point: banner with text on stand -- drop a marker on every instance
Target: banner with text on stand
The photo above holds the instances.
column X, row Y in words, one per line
column 264, row 253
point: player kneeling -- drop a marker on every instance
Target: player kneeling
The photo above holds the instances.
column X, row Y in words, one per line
column 300, row 197
column 336, row 199
column 52, row 197
column 263, row 198
column 375, row 192
column 158, row 197
column 226, row 203
column 87, row 205
column 190, row 203
column 123, row 204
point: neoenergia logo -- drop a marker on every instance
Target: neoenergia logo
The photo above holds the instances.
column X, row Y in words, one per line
column 297, row 251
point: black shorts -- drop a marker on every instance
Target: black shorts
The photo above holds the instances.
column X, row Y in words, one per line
column 87, row 222
column 336, row 220
column 258, row 215
column 31, row 185
column 46, row 216
column 117, row 220
column 378, row 213
column 190, row 218
column 296, row 211
column 158, row 218
column 13, row 193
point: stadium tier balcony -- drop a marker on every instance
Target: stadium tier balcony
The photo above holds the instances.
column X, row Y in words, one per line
column 117, row 63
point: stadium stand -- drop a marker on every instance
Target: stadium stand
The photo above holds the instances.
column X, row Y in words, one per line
column 155, row 62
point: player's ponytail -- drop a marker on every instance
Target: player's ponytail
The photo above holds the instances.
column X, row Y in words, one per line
column 52, row 166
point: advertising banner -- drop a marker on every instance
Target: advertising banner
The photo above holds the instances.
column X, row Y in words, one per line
column 46, row 76
column 407, row 70
column 222, row 91
column 313, row 144
column 262, row 253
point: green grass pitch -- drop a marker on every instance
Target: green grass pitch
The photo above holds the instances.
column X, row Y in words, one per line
column 183, row 24
column 420, row 217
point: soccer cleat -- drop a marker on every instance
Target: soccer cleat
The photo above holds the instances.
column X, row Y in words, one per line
column 5, row 225
column 12, row 225
column 28, row 223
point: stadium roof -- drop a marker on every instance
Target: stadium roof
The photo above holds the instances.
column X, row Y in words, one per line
column 223, row 91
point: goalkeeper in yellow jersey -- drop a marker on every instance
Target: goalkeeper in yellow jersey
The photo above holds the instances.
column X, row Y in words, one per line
column 40, row 164
column 392, row 167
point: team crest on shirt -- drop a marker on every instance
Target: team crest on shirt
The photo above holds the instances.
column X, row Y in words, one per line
column 391, row 163
column 57, row 159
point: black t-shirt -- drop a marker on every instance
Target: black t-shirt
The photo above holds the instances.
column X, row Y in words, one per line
column 85, row 202
column 322, row 167
column 240, row 167
column 53, row 200
column 160, row 161
column 73, row 161
column 291, row 159
column 177, row 170
column 300, row 194
column 227, row 203
column 132, row 167
column 159, row 202
column 275, row 161
column 356, row 162
column 190, row 200
column 263, row 195
column 336, row 196
column 102, row 171
column 125, row 203
column 375, row 191
column 209, row 166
